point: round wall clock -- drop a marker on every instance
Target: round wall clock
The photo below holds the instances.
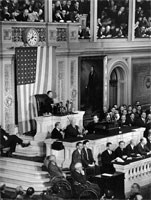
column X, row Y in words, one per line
column 31, row 37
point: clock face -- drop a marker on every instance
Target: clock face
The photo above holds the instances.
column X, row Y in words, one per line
column 32, row 37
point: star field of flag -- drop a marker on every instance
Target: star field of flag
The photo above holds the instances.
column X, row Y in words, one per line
column 26, row 59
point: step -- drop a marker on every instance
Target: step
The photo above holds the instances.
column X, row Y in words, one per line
column 23, row 178
column 23, row 172
column 13, row 162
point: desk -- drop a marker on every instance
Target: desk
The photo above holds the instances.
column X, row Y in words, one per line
column 97, row 144
column 45, row 124
column 115, row 182
column 138, row 171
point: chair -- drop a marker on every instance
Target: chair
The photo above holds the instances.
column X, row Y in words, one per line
column 40, row 103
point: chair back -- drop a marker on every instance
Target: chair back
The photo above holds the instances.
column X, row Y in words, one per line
column 40, row 103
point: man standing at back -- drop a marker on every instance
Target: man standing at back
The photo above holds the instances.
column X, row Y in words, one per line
column 76, row 155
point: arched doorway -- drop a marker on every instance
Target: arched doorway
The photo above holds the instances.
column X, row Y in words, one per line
column 117, row 87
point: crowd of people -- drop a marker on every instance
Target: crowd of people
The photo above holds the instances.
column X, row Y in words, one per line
column 142, row 19
column 112, row 19
column 22, row 10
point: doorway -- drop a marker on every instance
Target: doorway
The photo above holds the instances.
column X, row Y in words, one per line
column 117, row 87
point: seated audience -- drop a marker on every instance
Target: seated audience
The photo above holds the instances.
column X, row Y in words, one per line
column 142, row 149
column 72, row 130
column 120, row 151
column 131, row 150
column 109, row 194
column 7, row 194
column 135, row 190
column 7, row 140
column 131, row 120
column 149, row 140
column 53, row 169
column 49, row 102
column 57, row 133
column 122, row 122
column 107, row 157
column 79, row 177
column 141, row 121
column 148, row 125
column 76, row 155
column 148, row 111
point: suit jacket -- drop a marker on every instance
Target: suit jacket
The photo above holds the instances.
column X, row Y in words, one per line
column 76, row 157
column 148, row 144
column 54, row 170
column 71, row 131
column 107, row 165
column 140, row 122
column 47, row 106
column 87, row 157
column 79, row 177
column 93, row 128
column 141, row 150
column 56, row 134
column 3, row 136
column 130, row 152
column 119, row 152
column 130, row 122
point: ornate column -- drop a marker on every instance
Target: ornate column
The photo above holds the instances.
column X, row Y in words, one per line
column 48, row 10
column 131, row 20
column 93, row 19
column 7, row 89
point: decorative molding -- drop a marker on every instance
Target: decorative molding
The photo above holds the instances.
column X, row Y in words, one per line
column 7, row 34
column 61, row 34
column 18, row 32
column 73, row 35
column 52, row 35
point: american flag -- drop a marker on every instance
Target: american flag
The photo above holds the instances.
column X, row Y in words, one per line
column 34, row 76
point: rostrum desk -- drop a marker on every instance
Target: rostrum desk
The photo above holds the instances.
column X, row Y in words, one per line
column 97, row 144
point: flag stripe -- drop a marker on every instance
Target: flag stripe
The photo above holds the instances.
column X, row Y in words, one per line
column 39, row 63
column 42, row 75
column 47, row 72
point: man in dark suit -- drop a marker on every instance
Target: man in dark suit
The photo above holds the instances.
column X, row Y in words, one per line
column 72, row 130
column 80, row 178
column 149, row 140
column 141, row 121
column 76, row 155
column 88, row 160
column 49, row 102
column 11, row 141
column 131, row 149
column 57, row 133
column 53, row 168
column 142, row 149
column 92, row 88
column 120, row 151
column 131, row 120
column 108, row 157
column 87, row 156
column 93, row 127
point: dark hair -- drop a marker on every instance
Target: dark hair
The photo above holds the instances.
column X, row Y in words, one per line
column 30, row 191
column 121, row 142
column 77, row 144
column 56, row 124
column 49, row 91
column 85, row 141
column 108, row 144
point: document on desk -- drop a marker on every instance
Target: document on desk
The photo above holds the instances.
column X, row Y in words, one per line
column 106, row 174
